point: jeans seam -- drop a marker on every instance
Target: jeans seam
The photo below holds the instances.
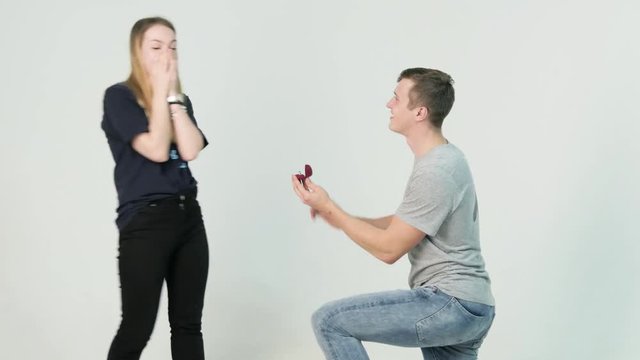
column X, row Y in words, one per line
column 365, row 306
column 348, row 309
column 465, row 311
column 435, row 355
column 353, row 308
column 325, row 333
column 430, row 316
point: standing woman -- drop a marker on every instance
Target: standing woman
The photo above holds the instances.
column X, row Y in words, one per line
column 153, row 134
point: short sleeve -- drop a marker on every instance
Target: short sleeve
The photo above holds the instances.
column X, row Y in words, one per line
column 124, row 116
column 428, row 200
column 189, row 106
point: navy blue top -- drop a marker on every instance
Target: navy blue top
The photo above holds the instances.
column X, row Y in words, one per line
column 139, row 180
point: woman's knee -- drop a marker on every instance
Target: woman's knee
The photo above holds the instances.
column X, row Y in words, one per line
column 179, row 327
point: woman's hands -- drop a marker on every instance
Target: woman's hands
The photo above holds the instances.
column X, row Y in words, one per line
column 163, row 75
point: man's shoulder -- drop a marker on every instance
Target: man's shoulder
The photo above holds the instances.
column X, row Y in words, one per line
column 442, row 157
column 447, row 164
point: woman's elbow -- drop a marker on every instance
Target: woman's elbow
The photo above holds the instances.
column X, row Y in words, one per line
column 159, row 157
column 189, row 156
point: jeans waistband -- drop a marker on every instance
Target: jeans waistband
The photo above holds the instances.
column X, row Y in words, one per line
column 186, row 196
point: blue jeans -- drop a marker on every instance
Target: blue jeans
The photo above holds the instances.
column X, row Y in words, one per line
column 443, row 326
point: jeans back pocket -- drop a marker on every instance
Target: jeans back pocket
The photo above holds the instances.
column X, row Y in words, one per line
column 453, row 324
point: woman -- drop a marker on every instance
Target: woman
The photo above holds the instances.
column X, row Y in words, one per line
column 152, row 134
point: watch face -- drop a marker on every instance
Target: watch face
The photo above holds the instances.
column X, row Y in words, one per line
column 176, row 98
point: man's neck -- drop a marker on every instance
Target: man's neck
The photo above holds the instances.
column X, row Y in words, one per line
column 423, row 142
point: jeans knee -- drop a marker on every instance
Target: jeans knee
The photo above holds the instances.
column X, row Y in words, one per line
column 321, row 318
column 186, row 328
column 132, row 338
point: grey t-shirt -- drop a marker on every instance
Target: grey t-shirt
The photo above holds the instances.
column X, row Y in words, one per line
column 440, row 200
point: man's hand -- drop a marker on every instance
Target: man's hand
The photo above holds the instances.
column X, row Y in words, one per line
column 316, row 198
column 389, row 242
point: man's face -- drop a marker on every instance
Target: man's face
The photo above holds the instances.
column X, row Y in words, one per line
column 402, row 118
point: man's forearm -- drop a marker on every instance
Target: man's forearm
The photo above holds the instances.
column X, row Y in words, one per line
column 364, row 233
column 380, row 223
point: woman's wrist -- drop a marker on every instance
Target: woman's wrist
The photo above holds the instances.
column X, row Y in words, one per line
column 175, row 109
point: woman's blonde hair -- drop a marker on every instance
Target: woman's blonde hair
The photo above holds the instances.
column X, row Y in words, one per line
column 138, row 80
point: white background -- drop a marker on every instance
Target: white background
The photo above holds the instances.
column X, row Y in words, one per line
column 546, row 112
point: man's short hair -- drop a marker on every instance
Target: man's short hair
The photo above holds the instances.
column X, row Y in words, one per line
column 432, row 89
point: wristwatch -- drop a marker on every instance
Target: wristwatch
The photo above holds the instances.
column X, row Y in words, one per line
column 176, row 99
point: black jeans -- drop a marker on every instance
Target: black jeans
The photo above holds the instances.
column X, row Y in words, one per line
column 166, row 240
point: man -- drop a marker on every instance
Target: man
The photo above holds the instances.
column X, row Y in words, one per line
column 450, row 308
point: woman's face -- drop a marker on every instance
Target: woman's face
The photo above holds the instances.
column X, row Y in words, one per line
column 158, row 42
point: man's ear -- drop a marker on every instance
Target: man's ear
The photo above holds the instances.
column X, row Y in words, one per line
column 422, row 113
